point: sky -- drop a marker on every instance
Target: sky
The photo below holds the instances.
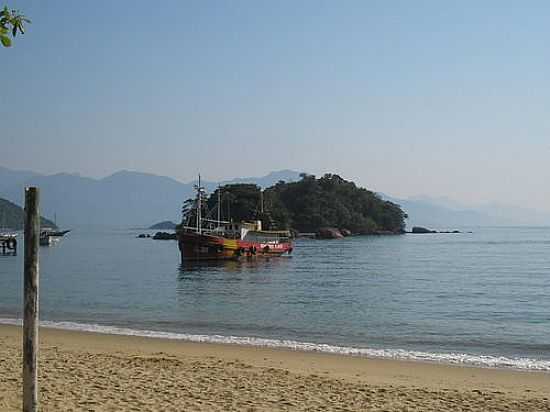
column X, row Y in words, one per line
column 406, row 98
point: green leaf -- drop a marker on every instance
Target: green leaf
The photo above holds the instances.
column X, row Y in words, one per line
column 5, row 40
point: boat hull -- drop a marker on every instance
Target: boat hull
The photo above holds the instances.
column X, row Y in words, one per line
column 194, row 246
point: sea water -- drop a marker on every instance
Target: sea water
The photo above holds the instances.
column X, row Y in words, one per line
column 480, row 298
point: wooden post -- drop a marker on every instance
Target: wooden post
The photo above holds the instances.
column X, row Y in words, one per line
column 30, row 314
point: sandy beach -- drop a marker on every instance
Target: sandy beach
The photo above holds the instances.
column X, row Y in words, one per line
column 82, row 371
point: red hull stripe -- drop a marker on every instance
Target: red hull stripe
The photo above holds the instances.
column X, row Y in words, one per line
column 202, row 247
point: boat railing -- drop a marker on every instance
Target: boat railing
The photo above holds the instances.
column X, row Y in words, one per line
column 7, row 235
column 207, row 231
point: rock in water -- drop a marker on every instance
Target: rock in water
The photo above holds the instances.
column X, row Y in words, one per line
column 165, row 236
column 329, row 233
column 420, row 230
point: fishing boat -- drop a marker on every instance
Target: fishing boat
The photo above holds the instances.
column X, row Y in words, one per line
column 216, row 239
column 56, row 233
column 48, row 236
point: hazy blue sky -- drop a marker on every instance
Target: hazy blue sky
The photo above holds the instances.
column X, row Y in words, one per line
column 405, row 97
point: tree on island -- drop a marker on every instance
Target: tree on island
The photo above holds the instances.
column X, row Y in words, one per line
column 331, row 201
column 11, row 23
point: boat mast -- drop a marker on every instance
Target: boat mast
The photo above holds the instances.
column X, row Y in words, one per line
column 199, row 206
column 261, row 201
column 219, row 204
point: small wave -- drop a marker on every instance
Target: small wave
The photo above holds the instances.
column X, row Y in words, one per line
column 397, row 354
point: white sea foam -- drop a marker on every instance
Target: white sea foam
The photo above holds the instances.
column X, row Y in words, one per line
column 398, row 354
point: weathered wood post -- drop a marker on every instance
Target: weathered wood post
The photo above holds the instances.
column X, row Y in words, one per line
column 30, row 298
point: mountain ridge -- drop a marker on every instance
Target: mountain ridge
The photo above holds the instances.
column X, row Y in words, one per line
column 123, row 198
column 134, row 198
column 445, row 213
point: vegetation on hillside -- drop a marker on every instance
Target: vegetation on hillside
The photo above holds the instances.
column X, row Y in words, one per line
column 331, row 201
column 306, row 206
column 13, row 217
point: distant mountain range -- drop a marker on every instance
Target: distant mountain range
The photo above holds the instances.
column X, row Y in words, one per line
column 129, row 198
column 125, row 198
column 443, row 213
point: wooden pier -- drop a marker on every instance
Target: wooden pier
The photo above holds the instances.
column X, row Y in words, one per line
column 8, row 245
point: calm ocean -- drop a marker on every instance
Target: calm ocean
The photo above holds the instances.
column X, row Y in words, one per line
column 480, row 298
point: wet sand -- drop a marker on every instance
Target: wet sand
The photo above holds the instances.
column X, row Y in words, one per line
column 82, row 371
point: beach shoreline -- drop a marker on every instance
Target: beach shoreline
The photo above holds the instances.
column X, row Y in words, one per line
column 438, row 358
column 104, row 370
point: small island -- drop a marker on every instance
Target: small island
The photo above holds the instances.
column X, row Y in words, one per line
column 164, row 225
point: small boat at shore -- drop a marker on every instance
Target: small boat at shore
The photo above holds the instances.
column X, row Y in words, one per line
column 49, row 236
column 216, row 239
